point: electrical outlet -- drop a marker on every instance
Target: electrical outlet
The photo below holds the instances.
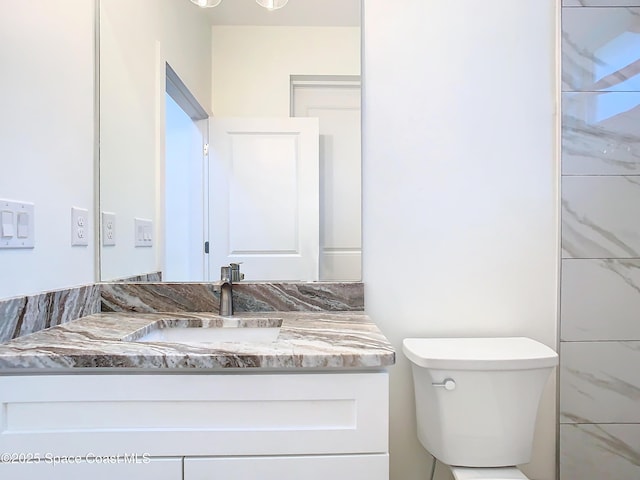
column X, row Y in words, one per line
column 108, row 229
column 79, row 226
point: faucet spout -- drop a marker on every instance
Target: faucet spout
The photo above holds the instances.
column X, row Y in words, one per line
column 226, row 292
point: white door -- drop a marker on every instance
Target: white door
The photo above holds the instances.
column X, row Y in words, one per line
column 264, row 197
column 337, row 106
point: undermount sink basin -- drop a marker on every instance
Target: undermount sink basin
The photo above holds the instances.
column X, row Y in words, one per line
column 253, row 330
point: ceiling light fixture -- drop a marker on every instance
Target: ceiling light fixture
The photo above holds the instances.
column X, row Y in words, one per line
column 272, row 4
column 206, row 3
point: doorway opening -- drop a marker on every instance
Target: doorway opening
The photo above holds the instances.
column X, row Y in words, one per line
column 185, row 184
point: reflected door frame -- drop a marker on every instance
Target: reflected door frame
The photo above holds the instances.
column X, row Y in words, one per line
column 336, row 101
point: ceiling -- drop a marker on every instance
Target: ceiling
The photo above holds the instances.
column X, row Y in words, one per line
column 319, row 13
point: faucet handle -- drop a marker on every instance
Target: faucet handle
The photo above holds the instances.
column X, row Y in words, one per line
column 236, row 275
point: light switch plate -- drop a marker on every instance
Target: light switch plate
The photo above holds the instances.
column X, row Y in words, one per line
column 17, row 229
column 143, row 233
column 79, row 226
column 108, row 229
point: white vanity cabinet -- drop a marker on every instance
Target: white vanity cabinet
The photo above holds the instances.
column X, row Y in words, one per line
column 321, row 467
column 197, row 426
column 89, row 469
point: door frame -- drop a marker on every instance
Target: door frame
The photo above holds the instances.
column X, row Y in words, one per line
column 321, row 81
column 327, row 82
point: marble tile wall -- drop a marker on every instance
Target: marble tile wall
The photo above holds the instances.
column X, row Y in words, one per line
column 599, row 451
column 600, row 279
column 599, row 3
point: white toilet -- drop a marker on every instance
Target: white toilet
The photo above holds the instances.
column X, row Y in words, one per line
column 477, row 401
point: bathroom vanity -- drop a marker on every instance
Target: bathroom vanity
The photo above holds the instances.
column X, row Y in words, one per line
column 105, row 397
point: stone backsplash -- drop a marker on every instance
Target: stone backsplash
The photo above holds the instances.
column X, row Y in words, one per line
column 24, row 315
column 247, row 297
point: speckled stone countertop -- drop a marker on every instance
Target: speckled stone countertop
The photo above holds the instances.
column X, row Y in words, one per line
column 307, row 340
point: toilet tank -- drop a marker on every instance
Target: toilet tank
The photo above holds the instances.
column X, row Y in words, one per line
column 486, row 417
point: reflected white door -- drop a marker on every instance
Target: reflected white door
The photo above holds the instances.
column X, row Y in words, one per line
column 338, row 108
column 264, row 197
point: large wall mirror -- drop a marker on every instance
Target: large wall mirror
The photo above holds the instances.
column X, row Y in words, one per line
column 233, row 129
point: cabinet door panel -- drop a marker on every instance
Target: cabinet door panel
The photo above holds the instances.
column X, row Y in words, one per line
column 321, row 467
column 195, row 415
column 152, row 469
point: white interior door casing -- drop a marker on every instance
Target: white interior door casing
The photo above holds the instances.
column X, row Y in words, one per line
column 337, row 106
column 264, row 197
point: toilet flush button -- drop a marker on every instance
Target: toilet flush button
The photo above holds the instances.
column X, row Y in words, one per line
column 447, row 384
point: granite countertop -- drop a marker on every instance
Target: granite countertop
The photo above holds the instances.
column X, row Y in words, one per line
column 307, row 340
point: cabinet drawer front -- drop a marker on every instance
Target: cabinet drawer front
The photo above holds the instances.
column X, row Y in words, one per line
column 93, row 469
column 334, row 467
column 169, row 415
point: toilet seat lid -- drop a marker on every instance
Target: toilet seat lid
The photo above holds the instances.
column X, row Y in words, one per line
column 503, row 473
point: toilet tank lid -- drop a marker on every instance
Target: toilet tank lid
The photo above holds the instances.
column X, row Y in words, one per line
column 502, row 353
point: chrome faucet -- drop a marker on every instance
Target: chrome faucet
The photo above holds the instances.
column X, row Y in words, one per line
column 226, row 291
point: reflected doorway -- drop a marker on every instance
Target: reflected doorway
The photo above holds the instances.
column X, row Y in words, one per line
column 185, row 189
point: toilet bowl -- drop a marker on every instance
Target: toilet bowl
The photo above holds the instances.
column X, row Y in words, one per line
column 477, row 401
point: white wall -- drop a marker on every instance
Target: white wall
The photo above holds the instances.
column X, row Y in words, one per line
column 46, row 140
column 137, row 38
column 460, row 187
column 252, row 65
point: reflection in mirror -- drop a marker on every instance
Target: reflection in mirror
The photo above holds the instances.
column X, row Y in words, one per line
column 238, row 61
column 600, row 99
column 184, row 189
